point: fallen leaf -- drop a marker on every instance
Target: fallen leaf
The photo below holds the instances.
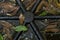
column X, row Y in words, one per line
column 20, row 28
column 1, row 37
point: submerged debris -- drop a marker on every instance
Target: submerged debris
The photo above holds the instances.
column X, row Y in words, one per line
column 6, row 29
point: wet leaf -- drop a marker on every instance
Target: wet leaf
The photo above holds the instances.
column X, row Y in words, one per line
column 1, row 37
column 20, row 28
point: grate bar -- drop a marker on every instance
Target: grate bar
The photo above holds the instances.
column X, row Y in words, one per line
column 36, row 17
column 47, row 17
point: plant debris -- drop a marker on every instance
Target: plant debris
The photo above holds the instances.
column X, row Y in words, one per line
column 20, row 28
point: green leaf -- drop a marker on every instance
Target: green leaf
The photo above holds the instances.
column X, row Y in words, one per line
column 20, row 28
column 43, row 13
column 1, row 37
